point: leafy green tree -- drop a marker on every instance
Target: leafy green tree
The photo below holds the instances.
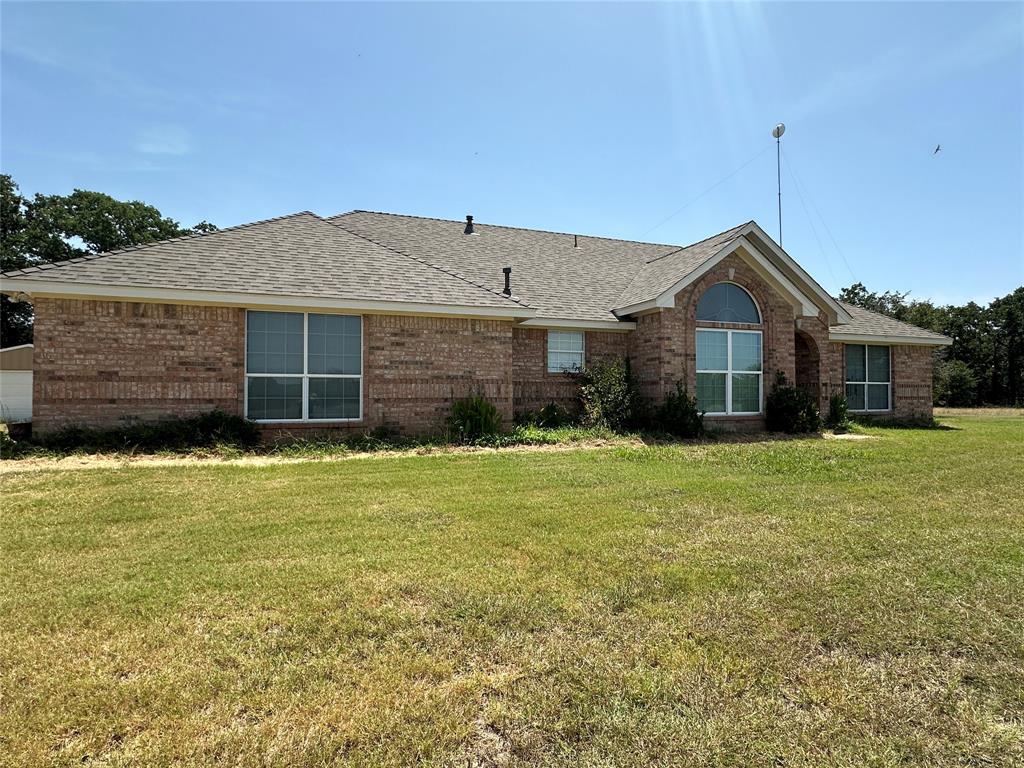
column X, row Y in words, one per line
column 889, row 303
column 49, row 228
column 955, row 384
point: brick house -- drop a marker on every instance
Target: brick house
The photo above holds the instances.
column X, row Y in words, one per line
column 366, row 320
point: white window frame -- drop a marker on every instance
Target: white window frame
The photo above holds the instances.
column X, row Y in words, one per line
column 729, row 372
column 583, row 350
column 865, row 383
column 305, row 375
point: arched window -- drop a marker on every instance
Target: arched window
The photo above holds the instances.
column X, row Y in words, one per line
column 727, row 303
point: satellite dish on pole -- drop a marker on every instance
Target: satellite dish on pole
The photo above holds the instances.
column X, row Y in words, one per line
column 778, row 130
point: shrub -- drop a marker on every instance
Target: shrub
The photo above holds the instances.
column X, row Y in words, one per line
column 838, row 412
column 8, row 445
column 205, row 431
column 955, row 385
column 607, row 394
column 551, row 416
column 790, row 409
column 679, row 414
column 473, row 418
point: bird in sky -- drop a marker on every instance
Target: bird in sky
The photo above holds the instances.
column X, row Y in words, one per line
column 938, row 148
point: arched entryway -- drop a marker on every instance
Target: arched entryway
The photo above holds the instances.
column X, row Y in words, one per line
column 808, row 360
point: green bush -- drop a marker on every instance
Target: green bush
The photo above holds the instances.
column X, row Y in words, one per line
column 205, row 431
column 551, row 416
column 838, row 412
column 790, row 409
column 678, row 414
column 955, row 384
column 473, row 418
column 607, row 394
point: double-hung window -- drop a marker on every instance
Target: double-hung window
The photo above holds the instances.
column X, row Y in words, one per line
column 303, row 366
column 868, row 377
column 565, row 351
column 729, row 371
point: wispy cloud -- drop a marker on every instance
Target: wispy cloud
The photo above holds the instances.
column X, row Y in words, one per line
column 164, row 140
column 901, row 68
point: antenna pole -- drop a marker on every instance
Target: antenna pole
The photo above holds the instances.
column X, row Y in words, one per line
column 778, row 175
column 777, row 132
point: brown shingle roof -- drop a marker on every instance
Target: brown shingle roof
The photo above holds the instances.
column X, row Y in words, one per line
column 363, row 255
column 868, row 323
column 299, row 255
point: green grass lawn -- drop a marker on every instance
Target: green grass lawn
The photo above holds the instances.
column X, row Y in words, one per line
column 793, row 603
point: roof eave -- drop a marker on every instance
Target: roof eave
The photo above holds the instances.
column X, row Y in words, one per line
column 53, row 289
column 897, row 339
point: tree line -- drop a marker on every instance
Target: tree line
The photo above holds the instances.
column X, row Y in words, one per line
column 985, row 363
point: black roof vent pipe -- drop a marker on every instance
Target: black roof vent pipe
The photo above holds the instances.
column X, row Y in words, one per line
column 469, row 225
column 508, row 280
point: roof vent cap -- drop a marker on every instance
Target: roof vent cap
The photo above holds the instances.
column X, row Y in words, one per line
column 469, row 225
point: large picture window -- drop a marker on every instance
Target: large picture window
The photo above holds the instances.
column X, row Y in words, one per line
column 565, row 351
column 729, row 371
column 303, row 367
column 868, row 377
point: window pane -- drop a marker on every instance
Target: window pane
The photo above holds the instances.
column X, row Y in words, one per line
column 854, row 362
column 746, row 393
column 565, row 351
column 273, row 342
column 878, row 397
column 711, row 392
column 564, row 361
column 727, row 303
column 746, row 351
column 565, row 341
column 334, row 344
column 878, row 364
column 274, row 397
column 712, row 351
column 855, row 397
column 333, row 398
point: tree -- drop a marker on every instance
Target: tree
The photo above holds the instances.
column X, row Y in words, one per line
column 955, row 385
column 889, row 303
column 49, row 228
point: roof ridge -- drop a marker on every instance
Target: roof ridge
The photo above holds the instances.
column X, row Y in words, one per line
column 191, row 235
column 426, row 263
column 504, row 226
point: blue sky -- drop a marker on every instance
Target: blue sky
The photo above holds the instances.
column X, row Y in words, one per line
column 600, row 119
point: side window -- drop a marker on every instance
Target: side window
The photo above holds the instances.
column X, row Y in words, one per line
column 868, row 377
column 565, row 351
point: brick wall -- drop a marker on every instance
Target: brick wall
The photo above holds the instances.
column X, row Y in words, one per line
column 416, row 366
column 912, row 381
column 107, row 363
column 533, row 386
